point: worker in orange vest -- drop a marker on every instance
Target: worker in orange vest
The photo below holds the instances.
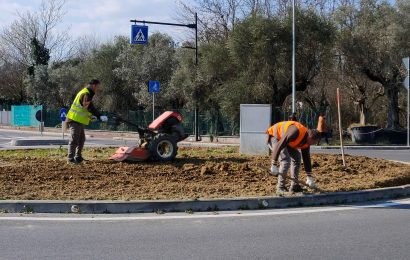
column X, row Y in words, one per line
column 285, row 139
column 322, row 128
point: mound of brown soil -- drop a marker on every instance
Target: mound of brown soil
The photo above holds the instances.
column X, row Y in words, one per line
column 196, row 173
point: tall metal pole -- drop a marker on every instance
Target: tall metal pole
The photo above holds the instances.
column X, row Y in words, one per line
column 408, row 116
column 406, row 82
column 196, row 94
column 196, row 39
column 293, row 58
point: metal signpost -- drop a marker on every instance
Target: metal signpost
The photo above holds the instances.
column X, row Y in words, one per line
column 39, row 117
column 154, row 87
column 63, row 116
column 135, row 32
column 406, row 62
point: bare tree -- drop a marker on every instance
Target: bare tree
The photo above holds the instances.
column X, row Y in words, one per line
column 18, row 57
column 364, row 93
column 84, row 46
column 216, row 17
column 11, row 78
column 40, row 24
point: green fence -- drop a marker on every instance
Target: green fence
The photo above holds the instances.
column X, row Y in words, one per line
column 307, row 117
column 209, row 124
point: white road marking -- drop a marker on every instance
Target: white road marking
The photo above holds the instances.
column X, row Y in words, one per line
column 168, row 216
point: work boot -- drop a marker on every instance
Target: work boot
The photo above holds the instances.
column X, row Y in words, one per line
column 79, row 159
column 295, row 188
column 72, row 161
column 280, row 190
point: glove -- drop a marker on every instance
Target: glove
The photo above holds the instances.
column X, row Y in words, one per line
column 104, row 118
column 310, row 182
column 274, row 169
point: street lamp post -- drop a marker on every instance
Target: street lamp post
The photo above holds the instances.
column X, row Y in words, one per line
column 293, row 59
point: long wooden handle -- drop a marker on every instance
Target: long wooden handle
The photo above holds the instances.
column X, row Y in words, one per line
column 340, row 125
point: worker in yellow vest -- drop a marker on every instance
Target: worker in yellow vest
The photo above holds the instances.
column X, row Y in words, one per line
column 285, row 139
column 80, row 114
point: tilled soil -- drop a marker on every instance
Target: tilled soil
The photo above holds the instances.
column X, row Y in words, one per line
column 192, row 175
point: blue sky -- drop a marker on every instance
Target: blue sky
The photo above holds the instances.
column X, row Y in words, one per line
column 104, row 18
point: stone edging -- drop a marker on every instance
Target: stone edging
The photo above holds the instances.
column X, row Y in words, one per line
column 160, row 206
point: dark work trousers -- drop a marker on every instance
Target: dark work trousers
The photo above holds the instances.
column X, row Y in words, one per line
column 77, row 139
column 288, row 158
column 322, row 135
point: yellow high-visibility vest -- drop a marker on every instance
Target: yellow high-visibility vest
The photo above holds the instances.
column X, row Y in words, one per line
column 77, row 112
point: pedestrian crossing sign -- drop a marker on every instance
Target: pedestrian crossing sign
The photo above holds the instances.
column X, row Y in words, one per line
column 154, row 86
column 139, row 34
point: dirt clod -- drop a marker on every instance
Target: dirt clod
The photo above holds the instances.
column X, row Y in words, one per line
column 204, row 170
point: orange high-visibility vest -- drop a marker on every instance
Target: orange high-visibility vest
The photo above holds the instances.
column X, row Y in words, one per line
column 279, row 129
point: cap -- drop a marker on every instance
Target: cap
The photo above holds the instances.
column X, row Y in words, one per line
column 313, row 133
column 94, row 82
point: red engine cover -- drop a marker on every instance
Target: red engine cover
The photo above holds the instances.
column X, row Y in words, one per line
column 156, row 124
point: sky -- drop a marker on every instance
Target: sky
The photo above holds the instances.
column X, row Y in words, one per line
column 104, row 19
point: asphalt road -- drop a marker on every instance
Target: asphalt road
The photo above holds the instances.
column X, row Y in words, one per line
column 394, row 155
column 379, row 232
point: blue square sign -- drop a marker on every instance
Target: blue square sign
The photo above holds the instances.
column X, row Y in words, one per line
column 154, row 86
column 139, row 34
column 63, row 114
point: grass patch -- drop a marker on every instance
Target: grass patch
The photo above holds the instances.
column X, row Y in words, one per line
column 103, row 153
column 208, row 151
column 96, row 153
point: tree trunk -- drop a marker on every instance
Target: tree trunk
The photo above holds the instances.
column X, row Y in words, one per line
column 393, row 104
column 362, row 115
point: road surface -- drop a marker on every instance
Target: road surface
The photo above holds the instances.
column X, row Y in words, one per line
column 344, row 232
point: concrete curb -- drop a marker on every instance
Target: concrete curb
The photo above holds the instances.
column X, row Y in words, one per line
column 353, row 147
column 101, row 207
column 36, row 142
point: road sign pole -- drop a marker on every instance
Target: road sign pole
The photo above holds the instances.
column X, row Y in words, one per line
column 41, row 122
column 153, row 106
column 63, row 117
